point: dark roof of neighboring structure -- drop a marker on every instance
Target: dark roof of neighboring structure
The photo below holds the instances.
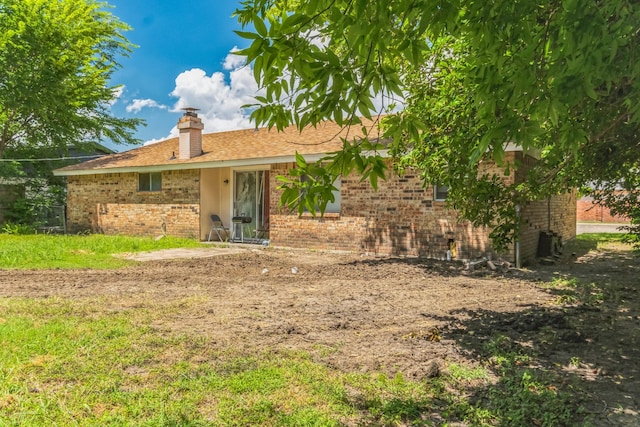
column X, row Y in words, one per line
column 231, row 148
column 96, row 149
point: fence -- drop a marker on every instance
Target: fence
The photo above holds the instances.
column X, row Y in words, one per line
column 52, row 220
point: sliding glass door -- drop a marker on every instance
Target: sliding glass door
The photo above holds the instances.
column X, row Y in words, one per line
column 251, row 198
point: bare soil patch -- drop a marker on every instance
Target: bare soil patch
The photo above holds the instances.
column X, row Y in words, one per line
column 392, row 315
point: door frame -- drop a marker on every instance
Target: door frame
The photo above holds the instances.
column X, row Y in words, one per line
column 232, row 202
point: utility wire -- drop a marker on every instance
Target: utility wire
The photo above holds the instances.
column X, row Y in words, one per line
column 53, row 159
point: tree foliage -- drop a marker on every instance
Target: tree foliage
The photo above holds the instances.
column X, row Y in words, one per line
column 556, row 77
column 56, row 60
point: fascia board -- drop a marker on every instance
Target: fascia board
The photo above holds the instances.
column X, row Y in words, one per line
column 203, row 165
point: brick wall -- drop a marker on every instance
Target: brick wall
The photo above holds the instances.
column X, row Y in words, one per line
column 401, row 218
column 590, row 212
column 556, row 214
column 112, row 204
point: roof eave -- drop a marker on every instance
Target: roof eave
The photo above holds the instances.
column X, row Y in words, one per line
column 190, row 165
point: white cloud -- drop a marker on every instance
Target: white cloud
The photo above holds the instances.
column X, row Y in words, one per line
column 233, row 61
column 174, row 133
column 220, row 96
column 139, row 104
column 116, row 94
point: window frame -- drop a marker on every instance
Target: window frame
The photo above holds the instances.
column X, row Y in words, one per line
column 438, row 190
column 153, row 182
column 334, row 208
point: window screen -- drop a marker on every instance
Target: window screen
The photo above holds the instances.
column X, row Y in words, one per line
column 440, row 192
column 151, row 181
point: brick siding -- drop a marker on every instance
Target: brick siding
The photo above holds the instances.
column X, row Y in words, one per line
column 401, row 218
column 556, row 214
column 112, row 204
column 590, row 212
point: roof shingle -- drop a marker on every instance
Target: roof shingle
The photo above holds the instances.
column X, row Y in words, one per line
column 250, row 145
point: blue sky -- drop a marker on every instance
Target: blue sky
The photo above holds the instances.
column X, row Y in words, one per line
column 182, row 59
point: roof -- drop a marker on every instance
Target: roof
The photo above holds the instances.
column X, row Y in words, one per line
column 96, row 148
column 224, row 149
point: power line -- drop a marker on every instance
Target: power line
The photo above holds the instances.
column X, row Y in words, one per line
column 53, row 159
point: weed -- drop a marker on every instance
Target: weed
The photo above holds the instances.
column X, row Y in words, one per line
column 524, row 398
column 504, row 353
column 572, row 291
column 465, row 373
column 16, row 228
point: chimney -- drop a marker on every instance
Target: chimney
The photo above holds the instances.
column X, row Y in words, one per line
column 190, row 127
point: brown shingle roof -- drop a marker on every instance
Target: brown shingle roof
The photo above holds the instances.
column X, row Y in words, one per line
column 250, row 146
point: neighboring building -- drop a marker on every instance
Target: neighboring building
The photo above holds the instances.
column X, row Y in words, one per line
column 32, row 182
column 588, row 211
column 10, row 191
column 174, row 186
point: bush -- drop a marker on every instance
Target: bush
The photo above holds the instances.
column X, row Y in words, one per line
column 16, row 228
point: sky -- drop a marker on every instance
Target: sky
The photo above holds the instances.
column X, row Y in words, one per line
column 183, row 59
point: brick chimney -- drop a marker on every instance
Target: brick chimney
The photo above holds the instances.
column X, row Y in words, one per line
column 190, row 127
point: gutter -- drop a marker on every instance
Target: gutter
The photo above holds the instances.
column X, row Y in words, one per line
column 186, row 166
column 517, row 241
column 199, row 165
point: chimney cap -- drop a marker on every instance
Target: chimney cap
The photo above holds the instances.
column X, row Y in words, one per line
column 190, row 111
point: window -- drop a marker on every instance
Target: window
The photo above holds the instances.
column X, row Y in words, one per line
column 440, row 192
column 150, row 181
column 332, row 207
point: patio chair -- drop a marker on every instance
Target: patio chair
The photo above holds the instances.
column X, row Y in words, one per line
column 218, row 227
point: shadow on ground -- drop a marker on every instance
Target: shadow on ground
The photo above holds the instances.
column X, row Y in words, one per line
column 580, row 351
column 574, row 361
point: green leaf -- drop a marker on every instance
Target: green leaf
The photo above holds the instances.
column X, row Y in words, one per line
column 559, row 79
column 247, row 35
column 588, row 88
column 300, row 161
column 260, row 26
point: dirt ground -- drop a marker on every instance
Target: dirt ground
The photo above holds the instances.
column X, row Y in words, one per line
column 393, row 315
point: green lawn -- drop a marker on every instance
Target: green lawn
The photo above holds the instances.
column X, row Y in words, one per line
column 72, row 362
column 67, row 363
column 77, row 251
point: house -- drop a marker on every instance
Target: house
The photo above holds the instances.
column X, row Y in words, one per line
column 31, row 184
column 175, row 185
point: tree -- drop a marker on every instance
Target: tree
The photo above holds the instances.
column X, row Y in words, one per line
column 560, row 77
column 56, row 60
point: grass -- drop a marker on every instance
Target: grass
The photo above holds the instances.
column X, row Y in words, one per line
column 570, row 291
column 69, row 363
column 80, row 363
column 96, row 251
column 77, row 251
column 66, row 362
column 583, row 243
